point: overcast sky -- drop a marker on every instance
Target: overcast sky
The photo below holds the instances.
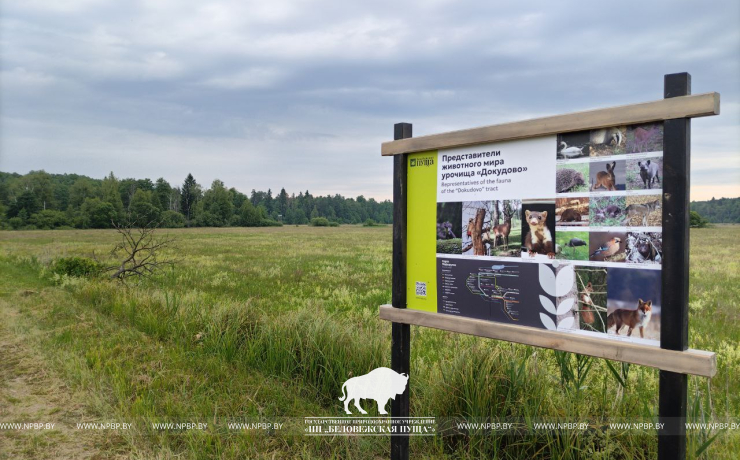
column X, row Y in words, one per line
column 300, row 94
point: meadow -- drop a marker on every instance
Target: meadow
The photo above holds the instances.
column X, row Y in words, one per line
column 267, row 323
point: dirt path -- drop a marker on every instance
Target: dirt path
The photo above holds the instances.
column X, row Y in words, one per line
column 31, row 393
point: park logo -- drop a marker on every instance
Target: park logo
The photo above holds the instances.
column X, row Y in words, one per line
column 380, row 384
column 429, row 161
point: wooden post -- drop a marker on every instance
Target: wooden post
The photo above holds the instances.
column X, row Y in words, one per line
column 401, row 333
column 674, row 321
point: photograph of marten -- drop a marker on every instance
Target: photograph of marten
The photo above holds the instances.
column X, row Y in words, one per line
column 633, row 303
column 643, row 138
column 573, row 145
column 607, row 246
column 449, row 228
column 608, row 176
column 644, row 173
column 643, row 211
column 607, row 211
column 538, row 229
column 608, row 141
column 571, row 212
column 644, row 248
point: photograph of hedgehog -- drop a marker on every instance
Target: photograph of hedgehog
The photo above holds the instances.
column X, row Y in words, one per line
column 607, row 246
column 607, row 211
column 644, row 173
column 608, row 141
column 571, row 177
column 647, row 137
column 633, row 303
column 571, row 245
column 449, row 228
column 589, row 294
column 573, row 145
column 608, row 176
column 571, row 212
column 644, row 248
column 643, row 211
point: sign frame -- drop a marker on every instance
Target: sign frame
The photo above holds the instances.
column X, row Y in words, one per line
column 673, row 358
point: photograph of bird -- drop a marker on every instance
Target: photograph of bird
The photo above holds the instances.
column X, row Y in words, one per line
column 570, row 152
column 574, row 243
column 608, row 249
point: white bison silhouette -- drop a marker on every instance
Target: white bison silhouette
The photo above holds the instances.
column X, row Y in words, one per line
column 380, row 384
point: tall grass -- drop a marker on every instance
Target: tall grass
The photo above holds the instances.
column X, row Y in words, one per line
column 296, row 307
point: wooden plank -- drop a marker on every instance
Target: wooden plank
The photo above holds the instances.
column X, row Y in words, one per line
column 695, row 362
column 699, row 105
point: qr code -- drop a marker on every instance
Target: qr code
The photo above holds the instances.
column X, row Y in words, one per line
column 421, row 289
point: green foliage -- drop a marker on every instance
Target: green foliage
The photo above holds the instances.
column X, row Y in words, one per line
column 370, row 223
column 172, row 219
column 24, row 196
column 319, row 222
column 697, row 221
column 142, row 208
column 82, row 267
column 95, row 213
column 49, row 219
column 451, row 246
column 724, row 210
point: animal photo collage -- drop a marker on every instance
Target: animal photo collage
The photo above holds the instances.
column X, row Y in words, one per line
column 608, row 195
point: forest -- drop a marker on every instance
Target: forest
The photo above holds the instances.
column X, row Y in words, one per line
column 724, row 210
column 39, row 200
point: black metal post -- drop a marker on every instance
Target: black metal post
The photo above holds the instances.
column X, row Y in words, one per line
column 401, row 333
column 674, row 321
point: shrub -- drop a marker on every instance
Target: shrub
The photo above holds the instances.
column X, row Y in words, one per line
column 333, row 224
column 697, row 221
column 172, row 219
column 77, row 266
column 269, row 223
column 452, row 246
column 319, row 222
column 370, row 223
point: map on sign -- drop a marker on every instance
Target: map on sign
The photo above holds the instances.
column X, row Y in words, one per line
column 494, row 284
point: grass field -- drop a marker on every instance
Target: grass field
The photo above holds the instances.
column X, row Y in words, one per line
column 264, row 323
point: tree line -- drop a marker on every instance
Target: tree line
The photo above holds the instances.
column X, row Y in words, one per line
column 39, row 200
column 724, row 210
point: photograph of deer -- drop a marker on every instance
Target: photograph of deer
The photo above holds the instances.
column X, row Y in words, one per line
column 608, row 176
column 645, row 138
column 506, row 228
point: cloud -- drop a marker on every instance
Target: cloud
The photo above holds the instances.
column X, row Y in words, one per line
column 301, row 94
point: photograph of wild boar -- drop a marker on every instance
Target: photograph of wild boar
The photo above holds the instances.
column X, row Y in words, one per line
column 571, row 212
column 607, row 211
column 573, row 145
column 633, row 303
column 607, row 246
column 646, row 137
column 644, row 248
column 644, row 173
column 608, row 141
column 572, row 177
column 608, row 176
column 449, row 228
column 643, row 211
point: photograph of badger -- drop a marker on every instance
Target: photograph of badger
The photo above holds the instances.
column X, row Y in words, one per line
column 608, row 141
